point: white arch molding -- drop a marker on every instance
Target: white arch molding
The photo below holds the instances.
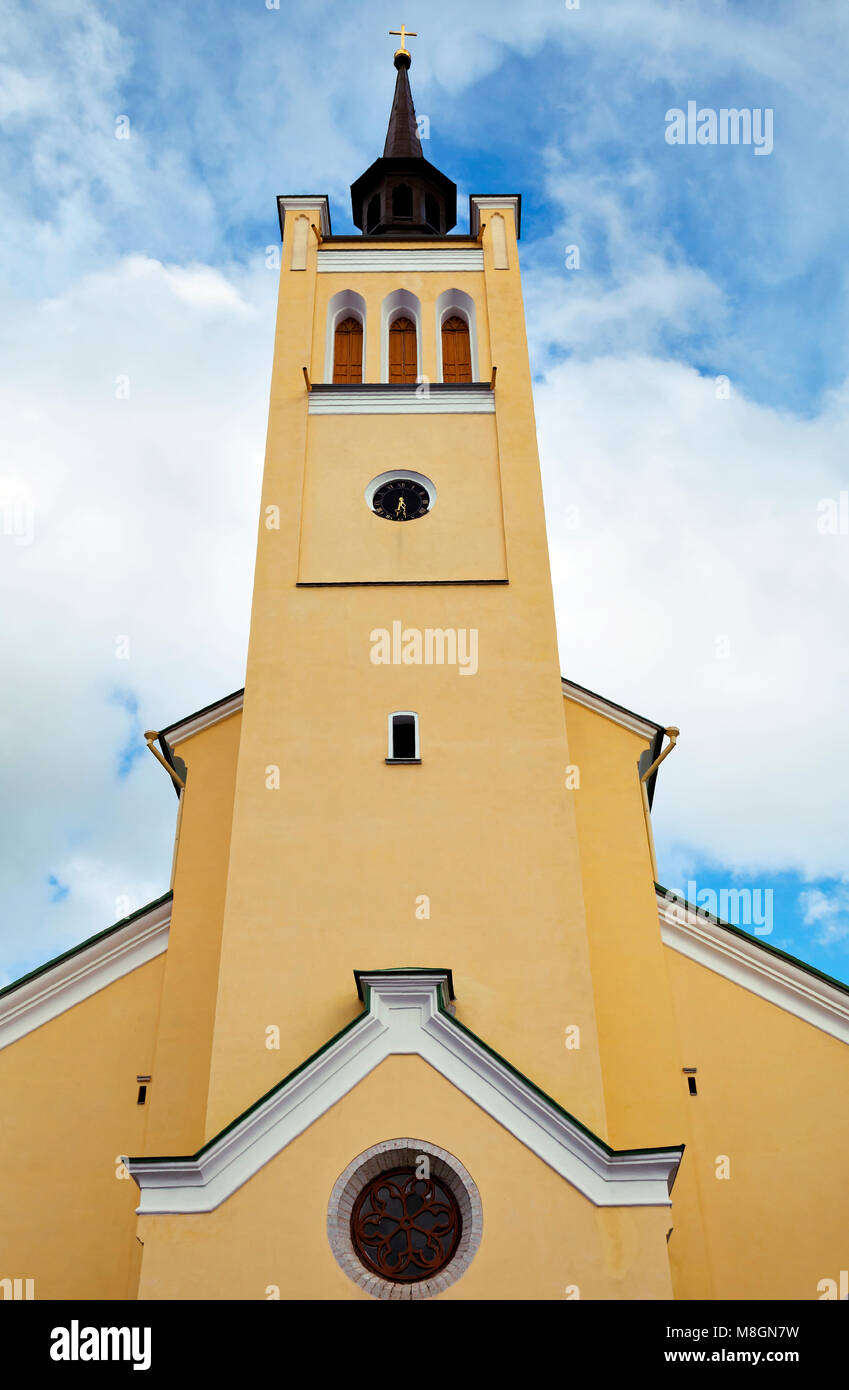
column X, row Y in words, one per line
column 450, row 303
column 399, row 304
column 343, row 305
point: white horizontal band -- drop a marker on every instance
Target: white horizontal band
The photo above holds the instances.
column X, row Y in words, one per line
column 415, row 400
column 377, row 258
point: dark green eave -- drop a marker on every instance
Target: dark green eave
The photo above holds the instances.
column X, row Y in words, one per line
column 356, row 1023
column 91, row 941
column 753, row 940
column 405, row 970
column 207, row 709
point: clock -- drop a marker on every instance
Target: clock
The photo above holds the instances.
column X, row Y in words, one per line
column 400, row 499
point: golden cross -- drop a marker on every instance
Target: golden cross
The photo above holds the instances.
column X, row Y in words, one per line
column 404, row 35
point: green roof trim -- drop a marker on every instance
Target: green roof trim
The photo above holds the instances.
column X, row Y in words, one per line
column 356, row 1023
column 90, row 941
column 671, row 895
column 549, row 1100
column 406, row 970
column 278, row 1086
column 207, row 709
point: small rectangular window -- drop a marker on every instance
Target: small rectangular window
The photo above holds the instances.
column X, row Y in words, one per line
column 142, row 1095
column 403, row 737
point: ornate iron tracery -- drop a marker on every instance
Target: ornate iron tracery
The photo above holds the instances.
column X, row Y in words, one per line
column 405, row 1228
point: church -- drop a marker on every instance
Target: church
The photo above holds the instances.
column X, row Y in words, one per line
column 414, row 1018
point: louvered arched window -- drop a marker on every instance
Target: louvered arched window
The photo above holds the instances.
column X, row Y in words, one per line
column 348, row 352
column 403, row 352
column 456, row 350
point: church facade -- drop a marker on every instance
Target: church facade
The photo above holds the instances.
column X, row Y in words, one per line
column 414, row 1019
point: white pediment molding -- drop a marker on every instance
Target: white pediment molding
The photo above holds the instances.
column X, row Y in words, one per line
column 617, row 713
column 62, row 983
column 204, row 719
column 406, row 1013
column 743, row 960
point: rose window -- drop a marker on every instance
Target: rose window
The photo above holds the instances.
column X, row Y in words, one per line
column 404, row 1227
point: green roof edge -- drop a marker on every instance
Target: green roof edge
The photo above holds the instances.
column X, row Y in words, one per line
column 90, row 941
column 755, row 940
column 355, row 1023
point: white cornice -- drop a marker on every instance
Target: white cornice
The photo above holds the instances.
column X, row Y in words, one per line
column 625, row 717
column 484, row 201
column 354, row 259
column 404, row 1017
column 59, row 987
column 204, row 719
column 744, row 962
column 340, row 400
column 306, row 202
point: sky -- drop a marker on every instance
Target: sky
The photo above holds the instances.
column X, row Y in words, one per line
column 687, row 310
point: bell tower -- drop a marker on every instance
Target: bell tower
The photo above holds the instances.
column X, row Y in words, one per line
column 401, row 797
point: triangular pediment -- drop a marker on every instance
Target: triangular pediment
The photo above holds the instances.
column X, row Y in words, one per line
column 406, row 1012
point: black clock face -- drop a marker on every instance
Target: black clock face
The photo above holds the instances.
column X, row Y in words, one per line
column 401, row 500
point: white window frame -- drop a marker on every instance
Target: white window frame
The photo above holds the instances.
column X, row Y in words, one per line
column 390, row 752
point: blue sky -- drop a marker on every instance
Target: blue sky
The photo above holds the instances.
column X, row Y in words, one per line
column 695, row 587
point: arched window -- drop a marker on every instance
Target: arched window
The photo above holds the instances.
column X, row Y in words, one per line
column 404, row 737
column 402, row 200
column 348, row 352
column 403, row 351
column 456, row 337
column 373, row 214
column 456, row 350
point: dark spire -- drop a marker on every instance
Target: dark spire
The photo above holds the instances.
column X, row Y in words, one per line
column 402, row 140
column 402, row 194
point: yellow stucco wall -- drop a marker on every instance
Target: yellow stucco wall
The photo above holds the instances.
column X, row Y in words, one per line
column 632, row 993
column 460, row 538
column 772, row 1097
column 325, row 872
column 69, row 1110
column 540, row 1235
column 772, row 1089
column 184, row 1040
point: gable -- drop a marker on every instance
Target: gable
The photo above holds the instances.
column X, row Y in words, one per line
column 533, row 1222
column 406, row 1013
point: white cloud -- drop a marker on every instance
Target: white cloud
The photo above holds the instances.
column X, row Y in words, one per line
column 143, row 516
column 698, row 532
column 828, row 912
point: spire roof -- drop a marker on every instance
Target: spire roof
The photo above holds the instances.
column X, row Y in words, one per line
column 402, row 194
column 402, row 140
